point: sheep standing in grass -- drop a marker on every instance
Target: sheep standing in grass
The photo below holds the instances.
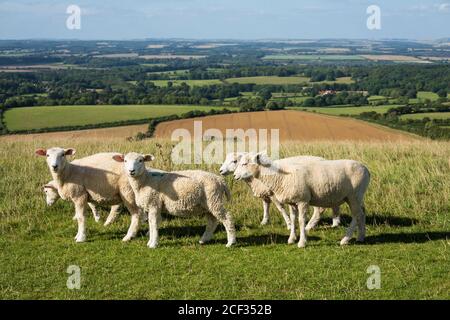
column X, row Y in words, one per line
column 326, row 184
column 179, row 193
column 52, row 195
column 100, row 181
column 261, row 191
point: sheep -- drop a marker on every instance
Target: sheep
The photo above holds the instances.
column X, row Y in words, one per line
column 261, row 191
column 327, row 183
column 100, row 180
column 179, row 193
column 51, row 196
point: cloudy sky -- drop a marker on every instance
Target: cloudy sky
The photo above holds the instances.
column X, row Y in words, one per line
column 224, row 19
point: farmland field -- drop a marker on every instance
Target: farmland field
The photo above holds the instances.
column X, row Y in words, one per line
column 292, row 125
column 312, row 57
column 346, row 110
column 47, row 117
column 269, row 80
column 407, row 239
column 431, row 115
column 191, row 83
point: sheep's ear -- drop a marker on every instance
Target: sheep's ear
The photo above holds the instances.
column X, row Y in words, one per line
column 69, row 152
column 148, row 157
column 41, row 152
column 119, row 157
column 263, row 160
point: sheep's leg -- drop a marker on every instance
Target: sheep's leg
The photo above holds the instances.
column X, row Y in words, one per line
column 355, row 208
column 94, row 211
column 227, row 220
column 112, row 215
column 266, row 206
column 154, row 217
column 283, row 212
column 336, row 217
column 315, row 218
column 362, row 224
column 210, row 228
column 80, row 207
column 134, row 225
column 303, row 210
column 294, row 212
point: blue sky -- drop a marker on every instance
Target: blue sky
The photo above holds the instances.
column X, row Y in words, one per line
column 224, row 19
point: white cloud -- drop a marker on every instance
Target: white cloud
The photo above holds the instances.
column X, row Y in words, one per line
column 444, row 7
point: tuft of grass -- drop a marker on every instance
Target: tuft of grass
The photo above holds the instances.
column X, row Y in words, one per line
column 408, row 206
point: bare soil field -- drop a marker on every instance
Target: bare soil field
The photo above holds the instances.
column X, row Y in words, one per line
column 82, row 135
column 293, row 126
column 398, row 58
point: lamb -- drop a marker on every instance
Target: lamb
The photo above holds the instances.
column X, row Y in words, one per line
column 52, row 195
column 99, row 180
column 261, row 191
column 179, row 193
column 325, row 183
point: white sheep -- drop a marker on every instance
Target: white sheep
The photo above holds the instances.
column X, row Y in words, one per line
column 325, row 184
column 101, row 181
column 51, row 196
column 179, row 193
column 261, row 191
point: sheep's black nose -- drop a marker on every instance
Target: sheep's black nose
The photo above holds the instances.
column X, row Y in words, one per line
column 55, row 167
column 132, row 171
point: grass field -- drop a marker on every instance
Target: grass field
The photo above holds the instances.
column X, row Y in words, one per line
column 431, row 115
column 408, row 205
column 312, row 57
column 269, row 80
column 348, row 110
column 47, row 117
column 191, row 83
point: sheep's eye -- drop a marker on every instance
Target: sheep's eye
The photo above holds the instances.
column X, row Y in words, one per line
column 140, row 160
column 235, row 161
column 48, row 155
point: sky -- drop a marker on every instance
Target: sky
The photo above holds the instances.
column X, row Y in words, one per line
column 224, row 19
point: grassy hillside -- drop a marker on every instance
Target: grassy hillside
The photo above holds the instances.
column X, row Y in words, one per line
column 431, row 115
column 59, row 116
column 408, row 205
column 348, row 110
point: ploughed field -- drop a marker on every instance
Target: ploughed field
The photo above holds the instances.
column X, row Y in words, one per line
column 293, row 125
column 408, row 205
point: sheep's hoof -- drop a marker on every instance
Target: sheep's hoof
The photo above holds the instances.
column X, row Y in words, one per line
column 302, row 244
column 264, row 222
column 97, row 219
column 81, row 238
column 345, row 241
column 152, row 245
column 230, row 244
column 292, row 240
column 127, row 238
column 74, row 218
column 107, row 223
column 288, row 226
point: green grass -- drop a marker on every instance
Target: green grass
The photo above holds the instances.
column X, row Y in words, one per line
column 408, row 206
column 191, row 83
column 312, row 57
column 269, row 80
column 423, row 95
column 60, row 116
column 342, row 80
column 431, row 115
column 348, row 110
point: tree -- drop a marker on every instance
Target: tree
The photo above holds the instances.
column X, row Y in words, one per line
column 442, row 93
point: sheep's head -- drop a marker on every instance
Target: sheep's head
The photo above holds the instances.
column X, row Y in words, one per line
column 249, row 166
column 51, row 193
column 134, row 163
column 56, row 157
column 230, row 163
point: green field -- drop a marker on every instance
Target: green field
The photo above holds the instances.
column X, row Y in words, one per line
column 408, row 204
column 347, row 110
column 62, row 116
column 269, row 80
column 431, row 115
column 423, row 95
column 191, row 83
column 312, row 57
